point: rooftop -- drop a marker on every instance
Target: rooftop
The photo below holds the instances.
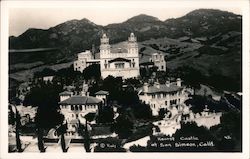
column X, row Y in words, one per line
column 119, row 48
column 85, row 52
column 101, row 92
column 162, row 88
column 65, row 93
column 80, row 100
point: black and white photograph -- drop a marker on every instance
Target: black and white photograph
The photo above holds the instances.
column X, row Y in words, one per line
column 121, row 76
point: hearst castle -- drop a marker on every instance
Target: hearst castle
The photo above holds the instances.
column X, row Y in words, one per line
column 118, row 61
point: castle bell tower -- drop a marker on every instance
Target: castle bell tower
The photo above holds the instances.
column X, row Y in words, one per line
column 104, row 47
column 132, row 44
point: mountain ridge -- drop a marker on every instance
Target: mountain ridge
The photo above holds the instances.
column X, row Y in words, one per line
column 217, row 33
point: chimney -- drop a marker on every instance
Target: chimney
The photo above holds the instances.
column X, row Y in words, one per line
column 145, row 87
column 178, row 82
column 168, row 83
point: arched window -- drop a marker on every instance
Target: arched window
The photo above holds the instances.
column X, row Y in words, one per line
column 133, row 63
column 76, row 107
column 80, row 107
column 105, row 64
column 72, row 107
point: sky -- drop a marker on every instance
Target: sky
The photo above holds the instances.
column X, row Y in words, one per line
column 24, row 17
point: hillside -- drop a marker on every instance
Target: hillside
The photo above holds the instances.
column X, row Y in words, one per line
column 205, row 39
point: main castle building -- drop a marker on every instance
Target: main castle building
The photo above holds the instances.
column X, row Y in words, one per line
column 119, row 62
column 115, row 61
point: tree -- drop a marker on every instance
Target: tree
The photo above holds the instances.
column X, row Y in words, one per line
column 162, row 112
column 92, row 72
column 63, row 145
column 123, row 126
column 229, row 131
column 86, row 138
column 105, row 115
column 40, row 140
column 45, row 72
column 45, row 97
column 61, row 131
column 14, row 119
column 18, row 125
column 142, row 111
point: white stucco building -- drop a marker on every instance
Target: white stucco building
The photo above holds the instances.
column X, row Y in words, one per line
column 205, row 118
column 169, row 125
column 102, row 95
column 84, row 59
column 48, row 78
column 159, row 61
column 162, row 95
column 119, row 62
column 74, row 108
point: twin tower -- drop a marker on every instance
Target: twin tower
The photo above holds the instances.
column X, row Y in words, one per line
column 121, row 60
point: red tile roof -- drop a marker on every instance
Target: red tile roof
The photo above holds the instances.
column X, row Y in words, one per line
column 163, row 88
column 80, row 100
column 65, row 93
column 101, row 92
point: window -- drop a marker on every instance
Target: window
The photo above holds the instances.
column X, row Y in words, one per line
column 119, row 65
column 72, row 107
column 162, row 67
column 173, row 102
column 105, row 64
column 164, row 95
column 133, row 64
column 80, row 107
column 166, row 102
column 153, row 96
